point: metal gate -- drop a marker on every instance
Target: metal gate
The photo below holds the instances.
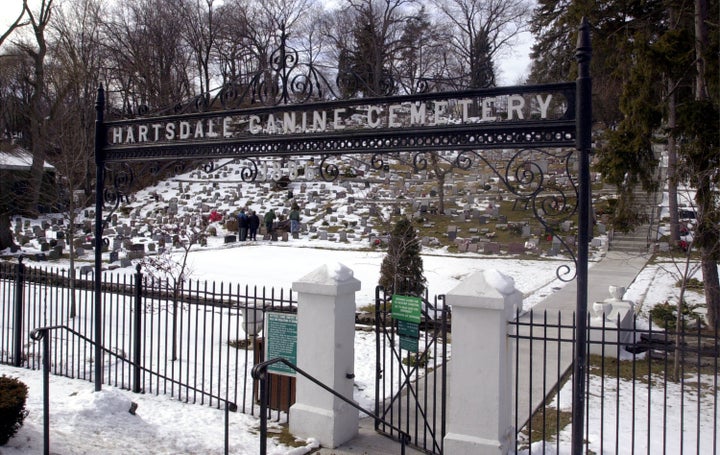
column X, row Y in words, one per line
column 290, row 109
column 411, row 379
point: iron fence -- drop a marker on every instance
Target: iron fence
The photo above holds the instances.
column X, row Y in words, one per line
column 195, row 341
column 648, row 389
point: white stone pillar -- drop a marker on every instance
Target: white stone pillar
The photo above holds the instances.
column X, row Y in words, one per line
column 326, row 350
column 480, row 411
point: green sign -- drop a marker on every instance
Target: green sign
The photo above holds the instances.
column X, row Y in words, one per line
column 409, row 329
column 409, row 343
column 281, row 341
column 406, row 308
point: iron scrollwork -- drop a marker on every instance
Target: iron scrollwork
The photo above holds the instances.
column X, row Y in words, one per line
column 121, row 178
column 551, row 203
column 328, row 171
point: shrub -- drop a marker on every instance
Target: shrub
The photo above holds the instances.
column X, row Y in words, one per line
column 665, row 315
column 13, row 394
column 691, row 283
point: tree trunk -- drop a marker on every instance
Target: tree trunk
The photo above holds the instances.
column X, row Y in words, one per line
column 712, row 290
column 706, row 201
column 6, row 238
column 672, row 166
column 701, row 40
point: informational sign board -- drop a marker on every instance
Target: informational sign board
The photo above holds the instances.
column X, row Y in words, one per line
column 407, row 308
column 408, row 329
column 409, row 343
column 281, row 341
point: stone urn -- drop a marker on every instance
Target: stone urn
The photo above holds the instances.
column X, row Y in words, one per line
column 253, row 319
column 602, row 309
column 616, row 293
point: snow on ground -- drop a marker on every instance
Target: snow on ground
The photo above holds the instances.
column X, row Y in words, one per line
column 84, row 422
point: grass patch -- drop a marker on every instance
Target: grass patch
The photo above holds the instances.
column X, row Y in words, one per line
column 546, row 425
column 241, row 344
column 283, row 436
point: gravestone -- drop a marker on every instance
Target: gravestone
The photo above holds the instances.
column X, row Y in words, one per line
column 491, row 248
column 516, row 248
column 526, row 231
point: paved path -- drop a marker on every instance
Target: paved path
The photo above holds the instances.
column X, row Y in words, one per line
column 614, row 269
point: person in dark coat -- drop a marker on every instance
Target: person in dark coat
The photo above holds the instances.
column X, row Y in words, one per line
column 253, row 225
column 295, row 219
column 243, row 225
column 269, row 218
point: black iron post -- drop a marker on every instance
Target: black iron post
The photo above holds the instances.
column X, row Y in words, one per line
column 263, row 377
column 583, row 145
column 46, row 393
column 99, row 191
column 19, row 303
column 42, row 334
column 137, row 328
column 379, row 325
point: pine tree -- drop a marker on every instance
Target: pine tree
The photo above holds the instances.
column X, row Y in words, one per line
column 401, row 271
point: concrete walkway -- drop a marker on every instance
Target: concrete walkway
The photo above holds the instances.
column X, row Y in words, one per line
column 614, row 269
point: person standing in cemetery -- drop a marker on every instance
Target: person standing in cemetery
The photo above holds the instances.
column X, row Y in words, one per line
column 253, row 225
column 294, row 219
column 269, row 219
column 243, row 224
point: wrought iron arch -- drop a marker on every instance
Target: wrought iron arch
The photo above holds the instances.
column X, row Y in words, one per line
column 291, row 110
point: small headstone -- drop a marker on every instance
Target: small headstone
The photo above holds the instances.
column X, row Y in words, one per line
column 526, row 231
column 516, row 248
column 491, row 248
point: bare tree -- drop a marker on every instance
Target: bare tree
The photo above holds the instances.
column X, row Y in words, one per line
column 169, row 268
column 37, row 112
column 200, row 32
column 17, row 23
column 481, row 30
column 146, row 55
column 73, row 77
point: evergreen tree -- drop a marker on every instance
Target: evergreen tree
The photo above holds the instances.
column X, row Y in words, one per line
column 651, row 64
column 401, row 271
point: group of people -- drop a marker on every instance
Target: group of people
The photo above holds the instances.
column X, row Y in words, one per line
column 249, row 222
column 248, row 225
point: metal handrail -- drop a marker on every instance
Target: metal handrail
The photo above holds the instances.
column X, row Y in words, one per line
column 40, row 333
column 259, row 372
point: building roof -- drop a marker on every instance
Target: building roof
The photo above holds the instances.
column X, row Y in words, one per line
column 19, row 159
